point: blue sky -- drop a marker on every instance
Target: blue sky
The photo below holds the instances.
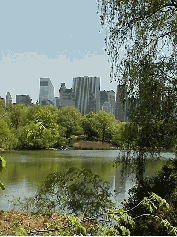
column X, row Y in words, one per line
column 50, row 38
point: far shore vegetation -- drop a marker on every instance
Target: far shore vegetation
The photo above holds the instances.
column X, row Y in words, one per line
column 43, row 127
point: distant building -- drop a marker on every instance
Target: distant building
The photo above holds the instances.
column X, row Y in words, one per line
column 24, row 99
column 107, row 107
column 67, row 97
column 121, row 113
column 87, row 94
column 56, row 102
column 46, row 93
column 9, row 98
column 107, row 101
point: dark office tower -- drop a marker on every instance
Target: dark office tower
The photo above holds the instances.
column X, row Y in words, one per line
column 120, row 113
column 87, row 94
column 103, row 98
column 24, row 99
column 107, row 101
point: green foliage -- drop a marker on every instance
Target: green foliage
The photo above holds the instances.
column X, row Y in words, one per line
column 76, row 190
column 105, row 125
column 33, row 128
column 91, row 114
column 163, row 189
column 17, row 114
column 151, row 136
column 149, row 203
column 45, row 115
column 70, row 118
column 152, row 220
column 2, row 166
column 77, row 225
column 147, row 33
column 118, row 135
column 102, row 126
column 2, row 163
column 4, row 132
column 38, row 136
column 89, row 126
column 34, row 136
column 22, row 232
column 120, row 222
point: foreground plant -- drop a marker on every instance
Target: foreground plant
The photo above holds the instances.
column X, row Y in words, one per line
column 2, row 166
column 115, row 221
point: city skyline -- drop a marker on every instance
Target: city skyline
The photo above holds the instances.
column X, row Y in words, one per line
column 50, row 44
column 55, row 90
column 85, row 95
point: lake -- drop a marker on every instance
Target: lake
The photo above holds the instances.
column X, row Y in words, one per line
column 26, row 170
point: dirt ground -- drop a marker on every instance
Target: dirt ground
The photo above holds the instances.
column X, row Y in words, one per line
column 25, row 223
column 92, row 145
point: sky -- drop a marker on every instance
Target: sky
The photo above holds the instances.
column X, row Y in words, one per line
column 50, row 38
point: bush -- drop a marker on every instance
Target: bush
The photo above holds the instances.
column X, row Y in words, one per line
column 75, row 191
column 163, row 184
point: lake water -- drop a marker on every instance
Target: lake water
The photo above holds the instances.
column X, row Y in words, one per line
column 26, row 170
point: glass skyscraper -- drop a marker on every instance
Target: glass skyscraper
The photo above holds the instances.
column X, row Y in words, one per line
column 46, row 93
column 87, row 94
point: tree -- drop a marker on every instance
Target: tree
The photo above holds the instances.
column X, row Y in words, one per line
column 91, row 114
column 78, row 191
column 90, row 125
column 139, row 26
column 106, row 122
column 147, row 33
column 70, row 118
column 17, row 114
column 7, row 139
column 118, row 138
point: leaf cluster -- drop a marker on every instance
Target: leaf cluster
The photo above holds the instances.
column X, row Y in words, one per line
column 146, row 32
column 2, row 166
column 164, row 185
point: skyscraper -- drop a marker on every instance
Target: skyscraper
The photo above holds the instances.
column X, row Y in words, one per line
column 24, row 99
column 87, row 94
column 9, row 98
column 67, row 97
column 46, row 94
column 107, row 101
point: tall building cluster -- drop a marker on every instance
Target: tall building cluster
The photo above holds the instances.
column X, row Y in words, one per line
column 85, row 95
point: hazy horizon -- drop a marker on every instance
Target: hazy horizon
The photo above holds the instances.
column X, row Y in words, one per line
column 55, row 39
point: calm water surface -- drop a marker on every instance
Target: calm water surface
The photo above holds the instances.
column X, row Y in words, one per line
column 26, row 170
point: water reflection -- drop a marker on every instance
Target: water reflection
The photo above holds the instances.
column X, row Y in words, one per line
column 26, row 170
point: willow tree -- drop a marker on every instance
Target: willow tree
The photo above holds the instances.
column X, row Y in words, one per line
column 141, row 44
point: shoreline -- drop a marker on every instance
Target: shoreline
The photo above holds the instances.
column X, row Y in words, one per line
column 73, row 149
column 82, row 145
